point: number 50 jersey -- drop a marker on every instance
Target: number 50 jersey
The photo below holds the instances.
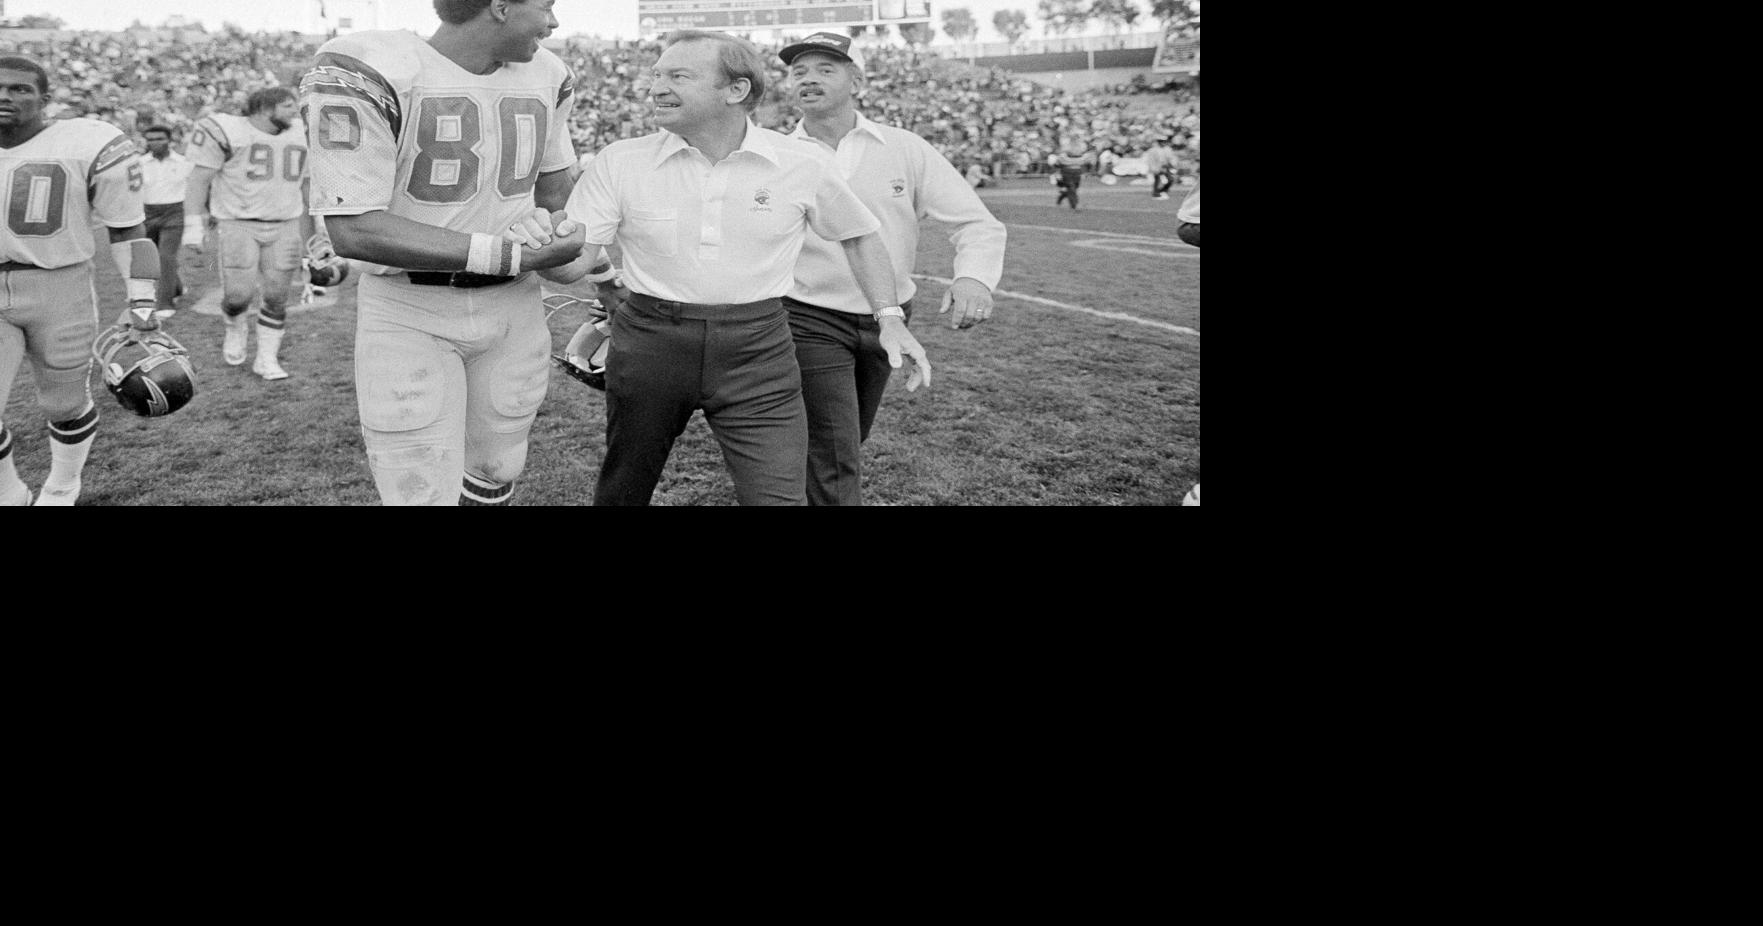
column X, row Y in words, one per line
column 53, row 186
column 396, row 125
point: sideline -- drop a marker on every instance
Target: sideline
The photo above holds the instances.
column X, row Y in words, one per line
column 1024, row 297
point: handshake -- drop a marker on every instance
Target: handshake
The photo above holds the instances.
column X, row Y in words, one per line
column 552, row 239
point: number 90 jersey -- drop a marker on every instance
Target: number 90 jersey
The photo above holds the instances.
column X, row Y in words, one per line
column 260, row 173
column 53, row 186
column 396, row 125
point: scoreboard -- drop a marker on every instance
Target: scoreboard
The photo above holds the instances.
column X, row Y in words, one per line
column 658, row 16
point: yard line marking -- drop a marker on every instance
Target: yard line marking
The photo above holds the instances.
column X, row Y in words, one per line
column 1024, row 297
column 1134, row 246
column 1089, row 231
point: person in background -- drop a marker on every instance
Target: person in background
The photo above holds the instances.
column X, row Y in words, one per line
column 164, row 173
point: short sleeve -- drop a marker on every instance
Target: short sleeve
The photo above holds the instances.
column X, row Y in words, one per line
column 353, row 119
column 559, row 152
column 208, row 146
column 594, row 204
column 116, row 185
column 835, row 213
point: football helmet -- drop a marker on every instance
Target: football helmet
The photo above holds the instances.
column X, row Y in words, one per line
column 148, row 371
column 585, row 357
column 323, row 266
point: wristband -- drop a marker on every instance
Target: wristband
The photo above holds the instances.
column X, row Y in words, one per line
column 602, row 273
column 483, row 256
column 513, row 257
column 891, row 311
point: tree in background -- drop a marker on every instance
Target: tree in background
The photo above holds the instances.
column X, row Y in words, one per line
column 917, row 33
column 1182, row 15
column 958, row 24
column 1115, row 14
column 1011, row 24
column 1061, row 16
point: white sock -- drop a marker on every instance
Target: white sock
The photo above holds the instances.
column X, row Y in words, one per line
column 269, row 341
column 69, row 445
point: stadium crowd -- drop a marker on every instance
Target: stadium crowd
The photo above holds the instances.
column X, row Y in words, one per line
column 974, row 116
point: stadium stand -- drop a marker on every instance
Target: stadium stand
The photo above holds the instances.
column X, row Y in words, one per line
column 974, row 115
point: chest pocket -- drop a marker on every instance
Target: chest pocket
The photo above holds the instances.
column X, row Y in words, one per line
column 652, row 231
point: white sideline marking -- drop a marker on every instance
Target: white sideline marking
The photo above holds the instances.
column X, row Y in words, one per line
column 1117, row 316
column 1126, row 246
column 1177, row 242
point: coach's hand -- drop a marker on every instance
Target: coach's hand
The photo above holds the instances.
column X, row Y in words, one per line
column 535, row 229
column 563, row 246
column 897, row 339
column 972, row 302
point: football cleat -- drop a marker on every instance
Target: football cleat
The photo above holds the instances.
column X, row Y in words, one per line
column 323, row 266
column 149, row 372
column 585, row 357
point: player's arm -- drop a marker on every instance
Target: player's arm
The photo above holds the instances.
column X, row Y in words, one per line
column 114, row 190
column 196, row 190
column 137, row 260
column 977, row 235
column 591, row 204
column 308, row 225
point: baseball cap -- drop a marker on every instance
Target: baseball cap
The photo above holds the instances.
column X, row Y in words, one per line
column 830, row 43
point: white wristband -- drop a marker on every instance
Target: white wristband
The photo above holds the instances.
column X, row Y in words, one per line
column 514, row 250
column 891, row 311
column 486, row 254
column 610, row 272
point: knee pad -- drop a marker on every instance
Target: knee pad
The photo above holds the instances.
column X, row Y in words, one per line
column 408, row 471
column 64, row 394
column 496, row 458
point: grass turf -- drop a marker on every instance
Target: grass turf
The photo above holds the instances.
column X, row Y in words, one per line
column 1042, row 405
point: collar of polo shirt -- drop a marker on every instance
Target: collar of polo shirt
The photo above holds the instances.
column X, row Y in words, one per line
column 864, row 125
column 754, row 142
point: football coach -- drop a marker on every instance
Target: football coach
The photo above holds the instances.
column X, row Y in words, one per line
column 711, row 214
column 842, row 344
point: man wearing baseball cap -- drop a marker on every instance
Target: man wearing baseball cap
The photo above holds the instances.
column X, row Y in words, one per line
column 842, row 345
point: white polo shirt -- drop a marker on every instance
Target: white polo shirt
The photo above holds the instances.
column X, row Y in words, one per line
column 162, row 182
column 902, row 179
column 728, row 232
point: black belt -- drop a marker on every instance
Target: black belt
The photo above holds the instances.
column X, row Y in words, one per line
column 11, row 265
column 458, row 279
column 723, row 312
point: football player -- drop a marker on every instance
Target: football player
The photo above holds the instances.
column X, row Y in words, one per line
column 423, row 154
column 1071, row 166
column 250, row 172
column 846, row 350
column 55, row 180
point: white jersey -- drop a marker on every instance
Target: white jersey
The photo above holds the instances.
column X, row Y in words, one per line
column 397, row 126
column 260, row 173
column 53, row 186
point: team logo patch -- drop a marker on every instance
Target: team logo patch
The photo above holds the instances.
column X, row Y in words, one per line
column 899, row 187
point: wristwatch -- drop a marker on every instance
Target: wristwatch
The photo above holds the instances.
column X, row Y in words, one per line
column 892, row 311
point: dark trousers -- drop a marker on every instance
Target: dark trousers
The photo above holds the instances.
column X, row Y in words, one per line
column 1164, row 180
column 165, row 225
column 1067, row 188
column 844, row 372
column 737, row 363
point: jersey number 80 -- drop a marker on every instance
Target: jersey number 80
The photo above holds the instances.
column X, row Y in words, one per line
column 449, row 132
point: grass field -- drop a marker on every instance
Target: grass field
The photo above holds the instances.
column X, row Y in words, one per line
column 1083, row 389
